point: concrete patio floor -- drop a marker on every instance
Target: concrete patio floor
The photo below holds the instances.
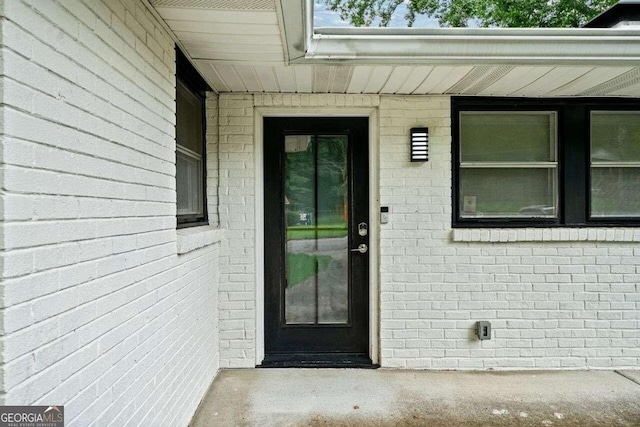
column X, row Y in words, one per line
column 360, row 397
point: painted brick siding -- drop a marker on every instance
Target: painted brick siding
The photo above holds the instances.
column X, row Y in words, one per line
column 237, row 258
column 99, row 313
column 552, row 304
column 237, row 213
column 557, row 303
column 212, row 157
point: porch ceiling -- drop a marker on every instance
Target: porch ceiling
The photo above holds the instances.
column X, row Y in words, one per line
column 237, row 31
column 244, row 46
column 502, row 80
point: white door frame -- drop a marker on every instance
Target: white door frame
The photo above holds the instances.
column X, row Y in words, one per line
column 374, row 216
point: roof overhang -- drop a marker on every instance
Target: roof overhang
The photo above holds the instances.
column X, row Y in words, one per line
column 448, row 46
column 271, row 46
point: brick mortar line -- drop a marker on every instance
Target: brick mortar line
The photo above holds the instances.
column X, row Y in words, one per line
column 81, row 305
column 26, row 355
column 78, row 39
column 90, row 219
column 80, row 196
column 159, row 344
column 85, row 153
column 83, row 131
column 89, row 239
column 93, row 260
column 96, row 339
column 74, row 83
column 180, row 366
column 87, row 90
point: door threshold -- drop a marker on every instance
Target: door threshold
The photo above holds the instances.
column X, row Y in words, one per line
column 318, row 360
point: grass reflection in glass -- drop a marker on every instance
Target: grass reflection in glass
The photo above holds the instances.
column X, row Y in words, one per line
column 303, row 266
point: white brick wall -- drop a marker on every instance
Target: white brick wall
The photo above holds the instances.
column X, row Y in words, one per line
column 237, row 260
column 212, row 157
column 552, row 304
column 237, row 213
column 554, row 299
column 99, row 312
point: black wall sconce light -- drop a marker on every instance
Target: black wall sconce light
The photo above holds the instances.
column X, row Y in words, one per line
column 419, row 144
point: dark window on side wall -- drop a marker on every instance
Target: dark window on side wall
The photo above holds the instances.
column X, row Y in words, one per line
column 537, row 162
column 190, row 144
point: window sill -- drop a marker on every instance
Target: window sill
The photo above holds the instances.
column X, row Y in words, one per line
column 546, row 235
column 190, row 239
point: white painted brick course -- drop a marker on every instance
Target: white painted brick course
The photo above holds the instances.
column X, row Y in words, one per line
column 547, row 292
column 100, row 313
column 521, row 283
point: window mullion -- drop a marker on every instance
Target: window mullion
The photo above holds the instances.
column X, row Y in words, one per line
column 574, row 164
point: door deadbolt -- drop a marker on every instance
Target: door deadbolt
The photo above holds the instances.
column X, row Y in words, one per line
column 362, row 248
column 362, row 229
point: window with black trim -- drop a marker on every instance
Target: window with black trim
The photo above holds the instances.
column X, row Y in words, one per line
column 545, row 162
column 190, row 144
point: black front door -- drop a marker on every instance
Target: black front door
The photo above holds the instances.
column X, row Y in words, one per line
column 316, row 241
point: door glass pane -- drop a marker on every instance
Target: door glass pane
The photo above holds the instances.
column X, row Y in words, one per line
column 508, row 192
column 615, row 136
column 614, row 191
column 528, row 136
column 317, row 211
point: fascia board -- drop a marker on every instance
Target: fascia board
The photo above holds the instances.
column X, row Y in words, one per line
column 515, row 46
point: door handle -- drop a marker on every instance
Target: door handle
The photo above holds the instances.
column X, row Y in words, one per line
column 362, row 248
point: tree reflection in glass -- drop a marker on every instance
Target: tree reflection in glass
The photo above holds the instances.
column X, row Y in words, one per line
column 317, row 212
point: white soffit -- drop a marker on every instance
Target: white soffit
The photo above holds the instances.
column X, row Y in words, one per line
column 225, row 30
column 487, row 80
column 238, row 47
